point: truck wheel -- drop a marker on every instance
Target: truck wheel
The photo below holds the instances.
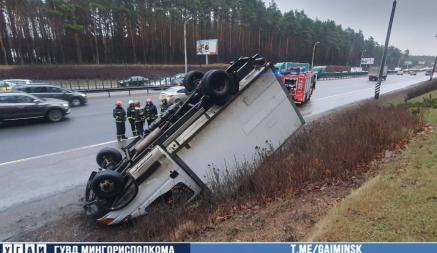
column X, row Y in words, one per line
column 108, row 157
column 107, row 184
column 192, row 80
column 55, row 115
column 218, row 85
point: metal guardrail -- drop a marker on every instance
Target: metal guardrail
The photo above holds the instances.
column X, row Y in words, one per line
column 101, row 86
column 340, row 75
column 129, row 89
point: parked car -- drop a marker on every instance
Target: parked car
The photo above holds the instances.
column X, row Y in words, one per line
column 5, row 86
column 428, row 72
column 18, row 82
column 19, row 105
column 174, row 94
column 165, row 81
column 400, row 73
column 178, row 79
column 133, row 81
column 49, row 91
column 412, row 73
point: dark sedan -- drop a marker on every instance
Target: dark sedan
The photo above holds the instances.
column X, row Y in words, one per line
column 133, row 81
column 49, row 91
column 19, row 105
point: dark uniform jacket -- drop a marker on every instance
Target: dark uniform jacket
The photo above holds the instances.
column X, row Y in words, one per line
column 164, row 107
column 119, row 114
column 131, row 113
column 139, row 115
column 151, row 112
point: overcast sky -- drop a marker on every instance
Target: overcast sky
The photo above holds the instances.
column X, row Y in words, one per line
column 414, row 27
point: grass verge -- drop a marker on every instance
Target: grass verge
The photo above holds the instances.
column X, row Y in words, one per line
column 397, row 205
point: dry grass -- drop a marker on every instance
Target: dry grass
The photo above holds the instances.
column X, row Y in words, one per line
column 333, row 147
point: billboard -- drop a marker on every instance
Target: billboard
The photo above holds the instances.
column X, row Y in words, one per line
column 367, row 61
column 207, row 47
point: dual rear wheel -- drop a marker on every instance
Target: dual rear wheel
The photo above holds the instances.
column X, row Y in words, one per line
column 217, row 85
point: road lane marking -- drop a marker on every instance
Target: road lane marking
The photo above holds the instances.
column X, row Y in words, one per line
column 55, row 153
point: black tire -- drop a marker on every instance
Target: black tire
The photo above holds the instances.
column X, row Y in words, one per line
column 55, row 115
column 107, row 184
column 192, row 79
column 218, row 85
column 76, row 102
column 108, row 157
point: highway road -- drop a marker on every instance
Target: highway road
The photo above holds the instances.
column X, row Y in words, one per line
column 43, row 166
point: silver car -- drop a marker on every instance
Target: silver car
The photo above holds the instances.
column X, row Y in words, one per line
column 174, row 94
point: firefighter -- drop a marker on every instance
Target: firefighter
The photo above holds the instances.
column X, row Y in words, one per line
column 164, row 106
column 139, row 118
column 131, row 117
column 150, row 111
column 119, row 115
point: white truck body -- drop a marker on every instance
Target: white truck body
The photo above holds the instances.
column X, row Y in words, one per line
column 262, row 115
column 374, row 73
column 213, row 142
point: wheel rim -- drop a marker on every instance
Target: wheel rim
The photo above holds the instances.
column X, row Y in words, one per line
column 107, row 186
column 219, row 85
column 108, row 160
column 55, row 115
column 75, row 102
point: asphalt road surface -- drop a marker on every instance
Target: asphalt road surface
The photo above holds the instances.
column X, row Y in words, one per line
column 43, row 166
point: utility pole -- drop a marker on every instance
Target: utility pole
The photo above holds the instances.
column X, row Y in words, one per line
column 185, row 43
column 314, row 50
column 433, row 69
column 384, row 56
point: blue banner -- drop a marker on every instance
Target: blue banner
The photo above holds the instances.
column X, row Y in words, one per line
column 17, row 247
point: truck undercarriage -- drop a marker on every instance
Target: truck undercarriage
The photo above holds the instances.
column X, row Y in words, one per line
column 174, row 152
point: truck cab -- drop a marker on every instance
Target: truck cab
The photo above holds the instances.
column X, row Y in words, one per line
column 298, row 79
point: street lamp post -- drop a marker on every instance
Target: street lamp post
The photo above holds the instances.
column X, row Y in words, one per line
column 185, row 43
column 314, row 50
column 433, row 69
column 362, row 55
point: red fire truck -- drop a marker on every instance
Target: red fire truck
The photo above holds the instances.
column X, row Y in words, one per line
column 298, row 79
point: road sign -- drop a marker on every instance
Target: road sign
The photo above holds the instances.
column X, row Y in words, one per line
column 207, row 47
column 367, row 61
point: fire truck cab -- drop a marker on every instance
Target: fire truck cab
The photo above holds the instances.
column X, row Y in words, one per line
column 298, row 79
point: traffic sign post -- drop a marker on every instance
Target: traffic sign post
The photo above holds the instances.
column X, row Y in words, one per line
column 207, row 48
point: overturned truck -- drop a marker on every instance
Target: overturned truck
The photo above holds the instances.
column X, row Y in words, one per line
column 228, row 116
